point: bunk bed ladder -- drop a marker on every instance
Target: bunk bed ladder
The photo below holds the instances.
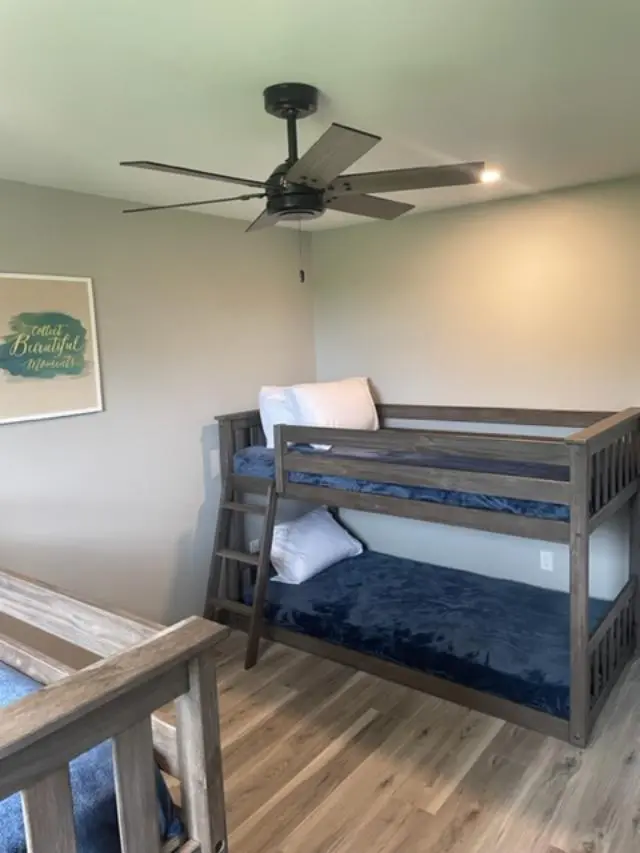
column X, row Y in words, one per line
column 262, row 579
column 226, row 550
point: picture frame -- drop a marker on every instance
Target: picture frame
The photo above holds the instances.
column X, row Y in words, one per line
column 49, row 354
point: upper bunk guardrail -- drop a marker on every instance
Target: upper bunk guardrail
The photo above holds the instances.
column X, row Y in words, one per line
column 448, row 444
column 558, row 418
column 612, row 447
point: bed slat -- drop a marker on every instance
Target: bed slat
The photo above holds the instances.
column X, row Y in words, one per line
column 48, row 815
column 136, row 789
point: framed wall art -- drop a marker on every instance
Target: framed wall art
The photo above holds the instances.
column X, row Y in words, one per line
column 49, row 364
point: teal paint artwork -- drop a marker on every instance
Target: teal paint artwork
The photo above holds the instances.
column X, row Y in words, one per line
column 43, row 346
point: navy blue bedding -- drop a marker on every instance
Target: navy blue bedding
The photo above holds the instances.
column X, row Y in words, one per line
column 260, row 462
column 502, row 637
column 92, row 785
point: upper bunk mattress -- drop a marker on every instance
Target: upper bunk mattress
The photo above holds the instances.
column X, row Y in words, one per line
column 502, row 637
column 260, row 462
column 92, row 786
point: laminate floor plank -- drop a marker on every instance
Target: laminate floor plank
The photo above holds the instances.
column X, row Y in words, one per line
column 320, row 758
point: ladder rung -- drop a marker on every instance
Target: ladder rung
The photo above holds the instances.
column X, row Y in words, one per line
column 240, row 556
column 231, row 606
column 253, row 485
column 258, row 509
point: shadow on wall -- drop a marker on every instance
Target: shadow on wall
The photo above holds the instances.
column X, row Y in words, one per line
column 195, row 548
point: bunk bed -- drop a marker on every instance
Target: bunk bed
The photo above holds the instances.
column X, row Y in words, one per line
column 79, row 729
column 542, row 659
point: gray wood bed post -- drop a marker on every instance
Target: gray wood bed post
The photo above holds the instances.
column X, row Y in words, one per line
column 225, row 431
column 580, row 689
column 634, row 560
column 201, row 757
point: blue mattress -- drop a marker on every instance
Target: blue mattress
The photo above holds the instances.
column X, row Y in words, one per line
column 502, row 637
column 260, row 462
column 92, row 785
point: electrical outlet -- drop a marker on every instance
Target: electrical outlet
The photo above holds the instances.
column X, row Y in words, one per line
column 546, row 561
column 254, row 546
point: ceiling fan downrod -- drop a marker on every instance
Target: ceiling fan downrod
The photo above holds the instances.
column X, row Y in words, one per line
column 292, row 138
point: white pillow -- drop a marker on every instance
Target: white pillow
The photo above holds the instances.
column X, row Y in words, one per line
column 310, row 544
column 344, row 404
column 276, row 407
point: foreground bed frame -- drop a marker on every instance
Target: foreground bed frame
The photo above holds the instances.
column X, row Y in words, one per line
column 146, row 667
column 602, row 455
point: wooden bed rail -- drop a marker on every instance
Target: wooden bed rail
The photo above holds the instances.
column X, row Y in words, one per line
column 611, row 647
column 612, row 449
column 482, row 415
column 114, row 698
column 512, row 448
column 460, row 445
column 564, row 418
column 550, row 451
column 605, row 431
column 83, row 624
column 80, row 622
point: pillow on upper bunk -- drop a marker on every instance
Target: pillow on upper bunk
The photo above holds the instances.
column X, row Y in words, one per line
column 344, row 404
column 276, row 407
column 306, row 546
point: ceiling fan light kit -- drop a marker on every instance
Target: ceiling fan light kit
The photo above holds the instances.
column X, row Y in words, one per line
column 302, row 188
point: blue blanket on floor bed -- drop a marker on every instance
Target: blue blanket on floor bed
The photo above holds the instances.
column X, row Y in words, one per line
column 92, row 785
column 260, row 462
column 502, row 637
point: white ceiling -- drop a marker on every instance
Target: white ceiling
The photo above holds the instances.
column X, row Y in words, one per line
column 548, row 89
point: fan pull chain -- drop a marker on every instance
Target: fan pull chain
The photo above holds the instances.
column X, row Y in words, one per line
column 302, row 275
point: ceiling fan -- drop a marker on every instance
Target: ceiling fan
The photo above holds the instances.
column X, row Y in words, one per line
column 304, row 187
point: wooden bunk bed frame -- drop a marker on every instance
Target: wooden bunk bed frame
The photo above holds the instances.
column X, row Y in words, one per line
column 604, row 462
column 146, row 666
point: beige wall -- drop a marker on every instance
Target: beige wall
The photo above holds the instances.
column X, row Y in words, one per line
column 193, row 316
column 533, row 303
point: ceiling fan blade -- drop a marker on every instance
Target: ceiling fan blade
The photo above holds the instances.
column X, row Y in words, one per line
column 262, row 221
column 369, row 205
column 193, row 203
column 336, row 150
column 191, row 173
column 399, row 180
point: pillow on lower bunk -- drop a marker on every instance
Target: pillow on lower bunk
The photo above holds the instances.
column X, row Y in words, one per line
column 93, row 789
column 310, row 544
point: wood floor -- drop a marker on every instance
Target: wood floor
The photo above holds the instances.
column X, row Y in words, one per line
column 322, row 759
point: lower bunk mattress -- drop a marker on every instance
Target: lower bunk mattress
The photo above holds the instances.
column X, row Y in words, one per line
column 502, row 637
column 260, row 462
column 92, row 786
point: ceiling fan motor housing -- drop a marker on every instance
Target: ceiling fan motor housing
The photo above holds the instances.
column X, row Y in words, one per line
column 296, row 205
column 292, row 201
